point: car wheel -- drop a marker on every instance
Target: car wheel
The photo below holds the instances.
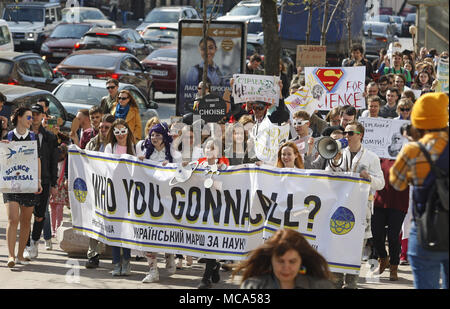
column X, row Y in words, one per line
column 151, row 93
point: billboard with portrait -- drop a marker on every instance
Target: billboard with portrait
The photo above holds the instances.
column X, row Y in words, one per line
column 226, row 43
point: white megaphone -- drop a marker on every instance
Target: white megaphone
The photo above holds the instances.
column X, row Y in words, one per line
column 328, row 147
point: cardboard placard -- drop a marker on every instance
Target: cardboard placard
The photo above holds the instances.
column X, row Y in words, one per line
column 311, row 56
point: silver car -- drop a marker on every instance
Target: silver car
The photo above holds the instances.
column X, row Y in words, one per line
column 79, row 93
column 377, row 35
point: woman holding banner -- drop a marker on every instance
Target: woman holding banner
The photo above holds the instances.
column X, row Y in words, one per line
column 289, row 156
column 20, row 206
column 285, row 261
column 121, row 141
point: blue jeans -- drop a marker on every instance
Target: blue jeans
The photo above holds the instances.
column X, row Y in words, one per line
column 426, row 265
column 116, row 254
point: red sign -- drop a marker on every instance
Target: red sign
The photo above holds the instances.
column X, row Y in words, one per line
column 329, row 77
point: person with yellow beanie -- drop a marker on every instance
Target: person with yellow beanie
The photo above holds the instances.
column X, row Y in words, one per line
column 429, row 118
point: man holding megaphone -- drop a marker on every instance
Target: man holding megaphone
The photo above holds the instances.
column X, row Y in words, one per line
column 357, row 159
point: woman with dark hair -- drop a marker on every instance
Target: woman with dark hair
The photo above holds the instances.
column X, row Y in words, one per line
column 126, row 108
column 120, row 141
column 20, row 206
column 423, row 81
column 285, row 261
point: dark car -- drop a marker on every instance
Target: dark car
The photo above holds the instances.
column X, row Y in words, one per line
column 76, row 94
column 409, row 20
column 104, row 64
column 121, row 40
column 27, row 69
column 162, row 65
column 19, row 95
column 61, row 42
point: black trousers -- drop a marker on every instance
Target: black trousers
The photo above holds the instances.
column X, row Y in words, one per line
column 393, row 219
column 39, row 212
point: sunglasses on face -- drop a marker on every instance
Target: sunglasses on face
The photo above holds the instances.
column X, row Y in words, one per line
column 122, row 131
column 258, row 107
column 123, row 98
column 29, row 117
column 111, row 87
column 300, row 122
column 405, row 109
column 351, row 133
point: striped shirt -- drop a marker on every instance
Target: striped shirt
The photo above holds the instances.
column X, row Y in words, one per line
column 411, row 166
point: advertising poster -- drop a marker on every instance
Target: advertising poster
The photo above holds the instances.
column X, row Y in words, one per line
column 336, row 86
column 226, row 45
column 383, row 137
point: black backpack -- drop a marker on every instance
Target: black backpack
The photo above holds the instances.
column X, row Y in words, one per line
column 432, row 223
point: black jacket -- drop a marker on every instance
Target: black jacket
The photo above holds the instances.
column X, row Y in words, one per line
column 49, row 156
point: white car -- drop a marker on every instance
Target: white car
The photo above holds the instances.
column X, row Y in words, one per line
column 6, row 41
column 245, row 11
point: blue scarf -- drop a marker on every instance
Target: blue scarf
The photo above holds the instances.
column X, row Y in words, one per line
column 121, row 112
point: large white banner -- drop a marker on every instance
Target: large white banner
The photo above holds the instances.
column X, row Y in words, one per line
column 19, row 167
column 268, row 138
column 382, row 136
column 123, row 201
column 333, row 87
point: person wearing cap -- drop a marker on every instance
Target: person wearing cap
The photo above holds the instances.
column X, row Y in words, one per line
column 429, row 118
column 48, row 147
column 358, row 159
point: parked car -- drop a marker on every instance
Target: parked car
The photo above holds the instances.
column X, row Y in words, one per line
column 162, row 65
column 167, row 14
column 398, row 20
column 62, row 41
column 386, row 19
column 159, row 35
column 76, row 94
column 121, row 40
column 104, row 64
column 6, row 42
column 87, row 15
column 246, row 10
column 214, row 10
column 19, row 95
column 27, row 69
column 409, row 20
column 31, row 22
column 377, row 35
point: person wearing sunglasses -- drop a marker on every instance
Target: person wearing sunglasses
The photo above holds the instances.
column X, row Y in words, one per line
column 303, row 141
column 20, row 206
column 121, row 141
column 357, row 159
column 126, row 108
column 107, row 102
column 404, row 108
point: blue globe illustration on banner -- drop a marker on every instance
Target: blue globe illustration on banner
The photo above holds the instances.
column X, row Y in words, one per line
column 342, row 221
column 80, row 190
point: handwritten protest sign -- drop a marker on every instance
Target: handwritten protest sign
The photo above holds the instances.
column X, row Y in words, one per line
column 19, row 167
column 442, row 76
column 268, row 139
column 382, row 136
column 333, row 87
column 249, row 87
column 311, row 56
column 302, row 99
column 125, row 202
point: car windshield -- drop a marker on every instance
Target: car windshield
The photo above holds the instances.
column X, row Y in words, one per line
column 92, row 60
column 397, row 19
column 160, row 33
column 254, row 27
column 24, row 14
column 375, row 28
column 159, row 16
column 381, row 18
column 71, row 14
column 70, row 31
column 244, row 10
column 80, row 94
column 101, row 39
column 164, row 55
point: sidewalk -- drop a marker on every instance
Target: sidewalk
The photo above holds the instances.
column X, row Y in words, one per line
column 55, row 270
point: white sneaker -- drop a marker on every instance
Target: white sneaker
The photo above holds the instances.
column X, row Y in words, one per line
column 152, row 276
column 48, row 244
column 170, row 264
column 34, row 249
column 26, row 254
